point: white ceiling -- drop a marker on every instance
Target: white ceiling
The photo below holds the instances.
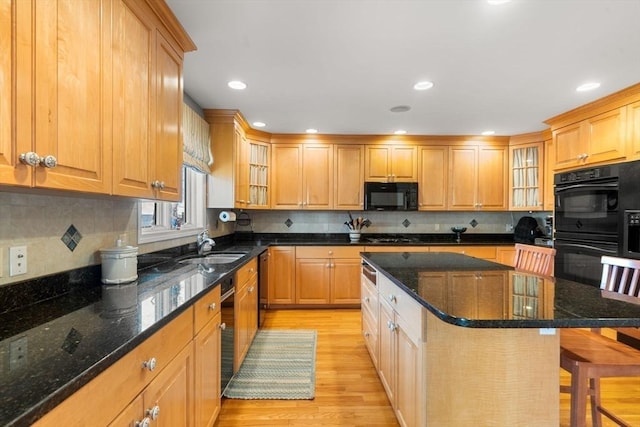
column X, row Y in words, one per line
column 340, row 65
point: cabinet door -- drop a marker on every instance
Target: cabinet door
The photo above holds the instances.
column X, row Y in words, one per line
column 348, row 177
column 633, row 130
column 258, row 174
column 281, row 275
column 131, row 415
column 432, row 178
column 408, row 402
column 606, row 133
column 569, row 146
column 287, row 176
column 73, row 99
column 168, row 112
column 172, row 392
column 313, row 278
column 525, row 178
column 492, row 181
column 207, row 372
column 404, row 164
column 241, row 179
column 133, row 91
column 15, row 74
column 387, row 353
column 317, row 178
column 549, row 165
column 463, row 178
column 345, row 281
column 377, row 163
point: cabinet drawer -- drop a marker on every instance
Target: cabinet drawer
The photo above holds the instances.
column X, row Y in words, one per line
column 402, row 303
column 104, row 397
column 245, row 272
column 329, row 251
column 484, row 252
column 370, row 336
column 206, row 309
column 369, row 298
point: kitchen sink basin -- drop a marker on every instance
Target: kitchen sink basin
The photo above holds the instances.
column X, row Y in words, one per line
column 215, row 258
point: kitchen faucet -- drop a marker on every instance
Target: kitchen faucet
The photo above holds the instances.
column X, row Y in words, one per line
column 203, row 241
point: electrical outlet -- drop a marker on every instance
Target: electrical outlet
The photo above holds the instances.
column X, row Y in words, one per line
column 17, row 353
column 17, row 260
column 509, row 227
column 436, row 227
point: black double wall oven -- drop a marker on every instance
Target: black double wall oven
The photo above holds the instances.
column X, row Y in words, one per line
column 587, row 217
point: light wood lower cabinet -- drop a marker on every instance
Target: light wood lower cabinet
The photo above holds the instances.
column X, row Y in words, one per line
column 207, row 326
column 126, row 381
column 328, row 275
column 282, row 276
column 245, row 311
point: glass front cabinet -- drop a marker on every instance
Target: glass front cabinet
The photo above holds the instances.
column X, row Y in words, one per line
column 525, row 179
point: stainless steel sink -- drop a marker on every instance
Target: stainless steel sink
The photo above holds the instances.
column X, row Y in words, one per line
column 215, row 258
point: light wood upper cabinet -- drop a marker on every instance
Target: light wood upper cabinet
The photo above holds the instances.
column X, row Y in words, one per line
column 391, row 163
column 525, row 177
column 259, row 155
column 302, row 176
column 549, row 164
column 147, row 143
column 433, row 177
column 633, row 130
column 478, row 178
column 348, row 177
column 597, row 139
column 73, row 99
column 15, row 42
column 98, row 97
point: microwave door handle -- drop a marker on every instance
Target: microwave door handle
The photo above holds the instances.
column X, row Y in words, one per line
column 594, row 186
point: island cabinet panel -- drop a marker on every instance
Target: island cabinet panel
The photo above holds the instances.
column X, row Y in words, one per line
column 282, row 276
column 470, row 370
column 370, row 317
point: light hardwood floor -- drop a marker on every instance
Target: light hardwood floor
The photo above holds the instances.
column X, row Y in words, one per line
column 348, row 392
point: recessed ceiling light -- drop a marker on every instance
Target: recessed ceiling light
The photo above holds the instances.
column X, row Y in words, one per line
column 489, row 132
column 237, row 84
column 400, row 132
column 400, row 109
column 424, row 85
column 259, row 124
column 588, row 86
column 311, row 130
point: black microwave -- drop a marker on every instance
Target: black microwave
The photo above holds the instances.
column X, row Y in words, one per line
column 391, row 196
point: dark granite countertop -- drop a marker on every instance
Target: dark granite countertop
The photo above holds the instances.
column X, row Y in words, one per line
column 72, row 331
column 472, row 292
column 70, row 338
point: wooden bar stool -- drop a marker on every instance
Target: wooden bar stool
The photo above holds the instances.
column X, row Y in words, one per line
column 589, row 356
column 536, row 259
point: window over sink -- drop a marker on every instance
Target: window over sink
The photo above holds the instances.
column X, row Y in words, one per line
column 159, row 221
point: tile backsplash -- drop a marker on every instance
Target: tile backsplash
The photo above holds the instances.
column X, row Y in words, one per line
column 38, row 221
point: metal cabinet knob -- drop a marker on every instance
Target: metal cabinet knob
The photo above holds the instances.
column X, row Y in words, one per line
column 150, row 364
column 154, row 412
column 392, row 298
column 223, row 326
column 146, row 422
column 212, row 306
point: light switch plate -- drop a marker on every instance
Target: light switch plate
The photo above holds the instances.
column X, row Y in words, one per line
column 17, row 260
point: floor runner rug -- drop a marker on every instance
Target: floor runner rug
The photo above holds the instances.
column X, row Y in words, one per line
column 280, row 364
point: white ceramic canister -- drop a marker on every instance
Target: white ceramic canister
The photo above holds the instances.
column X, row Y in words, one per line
column 119, row 264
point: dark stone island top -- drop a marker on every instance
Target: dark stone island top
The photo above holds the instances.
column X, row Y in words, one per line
column 472, row 292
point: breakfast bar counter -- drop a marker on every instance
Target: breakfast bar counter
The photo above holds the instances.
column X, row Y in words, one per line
column 479, row 338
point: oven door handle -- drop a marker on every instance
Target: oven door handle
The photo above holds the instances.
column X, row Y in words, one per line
column 609, row 186
column 589, row 247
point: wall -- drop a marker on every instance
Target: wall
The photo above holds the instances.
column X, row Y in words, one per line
column 39, row 221
column 384, row 222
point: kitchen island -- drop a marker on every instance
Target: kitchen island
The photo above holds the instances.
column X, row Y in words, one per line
column 461, row 341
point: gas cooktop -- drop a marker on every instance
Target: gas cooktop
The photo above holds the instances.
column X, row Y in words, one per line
column 392, row 240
